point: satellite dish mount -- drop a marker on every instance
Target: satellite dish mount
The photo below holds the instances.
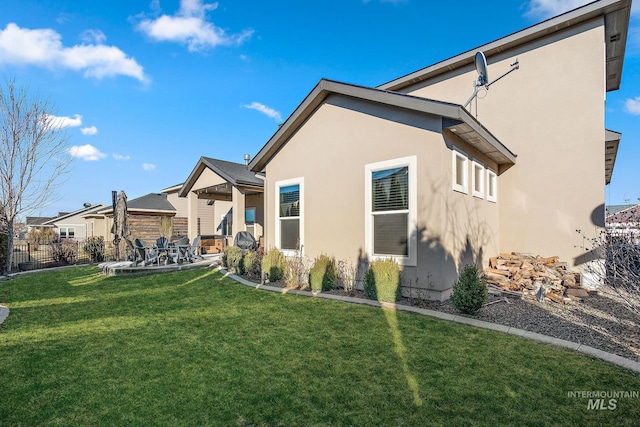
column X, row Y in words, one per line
column 483, row 76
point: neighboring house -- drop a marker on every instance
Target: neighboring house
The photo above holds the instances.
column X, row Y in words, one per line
column 232, row 190
column 145, row 215
column 68, row 225
column 211, row 215
column 404, row 171
column 624, row 222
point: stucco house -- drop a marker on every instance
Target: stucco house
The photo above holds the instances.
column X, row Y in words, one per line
column 404, row 171
column 69, row 225
column 222, row 198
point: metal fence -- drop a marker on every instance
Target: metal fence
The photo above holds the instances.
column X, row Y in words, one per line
column 30, row 256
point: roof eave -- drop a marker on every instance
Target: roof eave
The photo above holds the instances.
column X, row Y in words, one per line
column 489, row 145
column 612, row 142
column 616, row 13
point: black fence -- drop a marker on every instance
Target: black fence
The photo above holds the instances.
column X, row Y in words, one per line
column 30, row 256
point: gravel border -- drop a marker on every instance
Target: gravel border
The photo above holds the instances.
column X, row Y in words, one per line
column 600, row 321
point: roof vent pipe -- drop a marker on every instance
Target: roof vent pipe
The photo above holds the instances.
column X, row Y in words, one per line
column 247, row 159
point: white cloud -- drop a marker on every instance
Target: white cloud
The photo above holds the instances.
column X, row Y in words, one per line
column 548, row 8
column 86, row 152
column 43, row 48
column 632, row 106
column 91, row 130
column 93, row 36
column 120, row 156
column 264, row 110
column 148, row 166
column 63, row 122
column 190, row 26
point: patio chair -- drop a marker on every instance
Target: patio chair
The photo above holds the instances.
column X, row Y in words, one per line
column 179, row 251
column 141, row 251
column 159, row 251
column 193, row 250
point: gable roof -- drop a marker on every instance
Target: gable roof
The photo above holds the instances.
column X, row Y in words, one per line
column 463, row 124
column 149, row 203
column 38, row 220
column 616, row 14
column 65, row 215
column 614, row 209
column 629, row 214
column 236, row 174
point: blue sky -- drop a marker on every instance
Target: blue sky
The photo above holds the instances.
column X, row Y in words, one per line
column 147, row 87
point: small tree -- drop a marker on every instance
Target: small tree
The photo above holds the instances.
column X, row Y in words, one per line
column 470, row 291
column 166, row 227
column 33, row 156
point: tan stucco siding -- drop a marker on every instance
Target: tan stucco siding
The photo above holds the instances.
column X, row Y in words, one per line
column 550, row 113
column 330, row 153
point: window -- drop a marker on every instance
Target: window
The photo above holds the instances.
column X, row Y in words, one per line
column 391, row 209
column 67, row 232
column 289, row 215
column 226, row 224
column 250, row 220
column 460, row 172
column 492, row 186
column 477, row 181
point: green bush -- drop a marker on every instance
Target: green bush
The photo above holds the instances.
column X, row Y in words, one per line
column 382, row 281
column 274, row 264
column 253, row 264
column 94, row 248
column 233, row 255
column 323, row 274
column 470, row 291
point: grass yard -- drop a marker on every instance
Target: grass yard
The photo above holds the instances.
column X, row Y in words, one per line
column 194, row 348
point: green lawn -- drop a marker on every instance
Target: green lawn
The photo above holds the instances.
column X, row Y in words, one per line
column 195, row 348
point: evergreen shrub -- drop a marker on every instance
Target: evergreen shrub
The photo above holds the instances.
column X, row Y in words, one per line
column 323, row 275
column 470, row 291
column 382, row 281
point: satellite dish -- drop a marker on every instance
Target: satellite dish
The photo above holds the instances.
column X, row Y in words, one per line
column 481, row 68
column 483, row 76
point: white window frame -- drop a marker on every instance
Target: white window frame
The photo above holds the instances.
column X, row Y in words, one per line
column 285, row 183
column 492, row 188
column 464, row 188
column 411, row 162
column 477, row 193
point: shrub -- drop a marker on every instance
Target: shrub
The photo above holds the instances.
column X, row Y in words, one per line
column 274, row 264
column 64, row 252
column 296, row 272
column 253, row 264
column 470, row 291
column 382, row 281
column 346, row 275
column 94, row 247
column 323, row 274
column 42, row 236
column 233, row 255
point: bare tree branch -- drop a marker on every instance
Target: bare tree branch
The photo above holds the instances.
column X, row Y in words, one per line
column 33, row 155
